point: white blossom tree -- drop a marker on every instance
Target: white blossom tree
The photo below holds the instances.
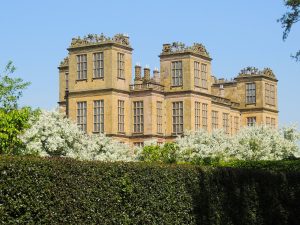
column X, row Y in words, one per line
column 52, row 134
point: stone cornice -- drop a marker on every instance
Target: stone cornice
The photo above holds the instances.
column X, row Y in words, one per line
column 259, row 109
column 164, row 56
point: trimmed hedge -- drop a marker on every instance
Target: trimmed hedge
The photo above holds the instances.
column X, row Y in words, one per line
column 65, row 191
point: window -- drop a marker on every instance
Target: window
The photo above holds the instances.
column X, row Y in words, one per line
column 204, row 75
column 99, row 116
column 98, row 65
column 159, row 117
column 226, row 122
column 270, row 94
column 197, row 73
column 67, row 80
column 138, row 144
column 236, row 124
column 81, row 115
column 121, row 116
column 177, row 117
column 214, row 119
column 138, row 117
column 81, row 67
column 121, row 66
column 251, row 121
column 177, row 73
column 197, row 116
column 273, row 124
column 204, row 116
column 268, row 121
column 250, row 93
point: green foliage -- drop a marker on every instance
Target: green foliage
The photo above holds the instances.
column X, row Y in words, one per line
column 12, row 124
column 156, row 153
column 10, row 88
column 289, row 18
column 65, row 191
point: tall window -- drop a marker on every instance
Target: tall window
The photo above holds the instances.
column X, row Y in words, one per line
column 236, row 124
column 67, row 80
column 121, row 116
column 204, row 75
column 121, row 66
column 81, row 115
column 177, row 73
column 273, row 122
column 204, row 116
column 197, row 73
column 268, row 121
column 177, row 117
column 251, row 121
column 270, row 94
column 159, row 117
column 81, row 67
column 138, row 117
column 250, row 93
column 226, row 122
column 214, row 120
column 98, row 65
column 99, row 116
column 197, row 116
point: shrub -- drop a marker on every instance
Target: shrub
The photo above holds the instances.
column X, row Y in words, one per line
column 167, row 153
column 52, row 134
column 65, row 191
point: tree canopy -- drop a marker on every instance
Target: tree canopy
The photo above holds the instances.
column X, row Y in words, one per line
column 291, row 17
column 10, row 88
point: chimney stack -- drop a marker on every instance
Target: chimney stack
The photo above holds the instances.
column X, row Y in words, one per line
column 156, row 75
column 138, row 72
column 146, row 73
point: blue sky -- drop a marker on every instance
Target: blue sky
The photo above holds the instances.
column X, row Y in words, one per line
column 237, row 33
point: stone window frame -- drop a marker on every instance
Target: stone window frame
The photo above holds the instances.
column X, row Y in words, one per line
column 197, row 116
column 270, row 94
column 273, row 122
column 121, row 116
column 203, row 75
column 98, row 65
column 98, row 115
column 197, row 77
column 81, row 67
column 204, row 116
column 121, row 65
column 67, row 80
column 236, row 124
column 159, row 117
column 250, row 93
column 177, row 73
column 251, row 121
column 138, row 117
column 177, row 117
column 215, row 119
column 226, row 125
column 82, row 115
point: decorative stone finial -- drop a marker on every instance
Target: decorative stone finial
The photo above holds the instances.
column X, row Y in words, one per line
column 92, row 39
column 64, row 62
column 178, row 47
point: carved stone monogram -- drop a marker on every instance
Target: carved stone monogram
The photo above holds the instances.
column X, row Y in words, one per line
column 178, row 47
column 92, row 39
column 254, row 71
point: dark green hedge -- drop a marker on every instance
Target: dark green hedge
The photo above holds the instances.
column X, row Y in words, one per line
column 64, row 191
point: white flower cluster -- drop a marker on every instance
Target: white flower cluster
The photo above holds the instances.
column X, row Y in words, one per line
column 251, row 143
column 54, row 135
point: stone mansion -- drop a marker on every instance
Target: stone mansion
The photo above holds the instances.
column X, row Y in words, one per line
column 98, row 91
